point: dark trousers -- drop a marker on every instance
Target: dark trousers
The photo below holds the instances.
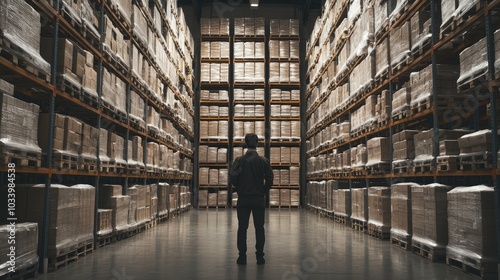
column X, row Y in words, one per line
column 256, row 206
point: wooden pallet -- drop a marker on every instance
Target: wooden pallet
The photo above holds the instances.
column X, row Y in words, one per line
column 359, row 225
column 421, row 105
column 137, row 124
column 20, row 157
column 422, row 48
column 60, row 258
column 89, row 35
column 433, row 253
column 447, row 163
column 75, row 22
column 378, row 231
column 358, row 171
column 401, row 64
column 113, row 112
column 402, row 242
column 120, row 168
column 63, row 160
column 17, row 56
column 474, row 81
column 28, row 272
column 485, row 271
column 89, row 98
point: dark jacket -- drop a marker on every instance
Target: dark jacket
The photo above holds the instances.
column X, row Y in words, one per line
column 251, row 174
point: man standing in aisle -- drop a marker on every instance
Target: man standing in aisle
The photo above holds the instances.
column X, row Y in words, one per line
column 252, row 176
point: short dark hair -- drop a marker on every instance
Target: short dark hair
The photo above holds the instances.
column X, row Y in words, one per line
column 251, row 140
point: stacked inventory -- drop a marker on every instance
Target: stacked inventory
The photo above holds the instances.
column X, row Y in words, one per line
column 284, row 103
column 118, row 107
column 214, row 112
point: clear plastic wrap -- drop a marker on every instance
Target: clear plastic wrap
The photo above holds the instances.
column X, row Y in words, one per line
column 473, row 61
column 399, row 40
column 379, row 207
column 471, row 239
column 401, row 210
column 359, row 204
column 378, row 150
column 20, row 25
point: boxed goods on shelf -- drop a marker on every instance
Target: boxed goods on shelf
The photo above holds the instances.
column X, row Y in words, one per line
column 454, row 10
column 113, row 92
column 359, row 157
column 424, row 145
column 379, row 211
column 420, row 24
column 163, row 195
column 19, row 130
column 88, row 148
column 473, row 62
column 222, row 198
column 294, row 198
column 212, row 199
column 116, row 146
column 471, row 239
column 26, row 247
column 359, row 204
column 20, row 28
column 362, row 76
column 223, row 176
column 401, row 212
column 399, row 40
column 476, row 150
column 429, row 216
column 114, row 43
column 362, row 34
column 342, row 202
column 403, row 149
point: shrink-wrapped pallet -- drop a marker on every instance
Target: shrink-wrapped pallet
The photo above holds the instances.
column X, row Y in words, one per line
column 104, row 217
column 378, row 150
column 473, row 61
column 424, row 141
column 359, row 204
column 471, row 226
column 20, row 25
column 401, row 210
column 429, row 216
column 19, row 126
column 342, row 205
column 274, row 197
column 163, row 191
column 26, row 246
column 399, row 40
column 285, row 198
column 212, row 199
column 381, row 58
column 420, row 24
column 222, row 198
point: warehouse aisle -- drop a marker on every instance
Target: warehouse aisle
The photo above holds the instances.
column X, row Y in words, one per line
column 201, row 244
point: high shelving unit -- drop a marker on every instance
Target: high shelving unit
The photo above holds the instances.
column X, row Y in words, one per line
column 168, row 94
column 251, row 100
column 412, row 69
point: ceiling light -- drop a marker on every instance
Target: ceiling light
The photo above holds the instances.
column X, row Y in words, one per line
column 254, row 3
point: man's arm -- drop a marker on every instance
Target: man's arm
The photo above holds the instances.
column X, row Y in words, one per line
column 268, row 175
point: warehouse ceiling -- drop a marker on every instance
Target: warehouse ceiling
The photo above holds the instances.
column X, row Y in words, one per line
column 304, row 5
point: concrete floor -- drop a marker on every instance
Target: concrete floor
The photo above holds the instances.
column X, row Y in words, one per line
column 201, row 244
